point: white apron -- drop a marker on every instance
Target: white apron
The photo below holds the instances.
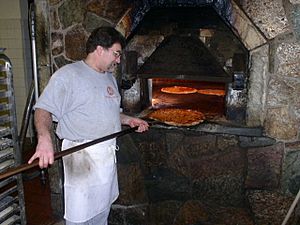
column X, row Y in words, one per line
column 91, row 183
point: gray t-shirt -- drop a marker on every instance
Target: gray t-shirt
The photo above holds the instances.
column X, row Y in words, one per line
column 84, row 102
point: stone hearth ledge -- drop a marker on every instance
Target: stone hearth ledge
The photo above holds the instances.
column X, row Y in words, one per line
column 217, row 128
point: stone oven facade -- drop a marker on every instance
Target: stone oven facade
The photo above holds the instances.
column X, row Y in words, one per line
column 216, row 173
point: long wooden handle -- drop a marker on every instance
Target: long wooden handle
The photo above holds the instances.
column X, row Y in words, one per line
column 57, row 155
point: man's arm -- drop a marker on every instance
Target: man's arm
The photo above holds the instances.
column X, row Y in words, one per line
column 134, row 122
column 44, row 150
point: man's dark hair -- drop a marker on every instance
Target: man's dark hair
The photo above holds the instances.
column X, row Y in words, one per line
column 105, row 37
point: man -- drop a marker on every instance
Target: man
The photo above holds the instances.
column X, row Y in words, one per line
column 83, row 98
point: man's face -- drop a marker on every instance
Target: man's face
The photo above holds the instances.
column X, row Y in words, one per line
column 112, row 57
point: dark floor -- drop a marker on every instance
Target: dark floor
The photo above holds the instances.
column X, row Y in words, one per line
column 37, row 195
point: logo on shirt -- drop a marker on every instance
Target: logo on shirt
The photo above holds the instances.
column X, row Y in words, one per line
column 110, row 91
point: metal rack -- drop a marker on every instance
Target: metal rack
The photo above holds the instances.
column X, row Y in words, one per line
column 12, row 205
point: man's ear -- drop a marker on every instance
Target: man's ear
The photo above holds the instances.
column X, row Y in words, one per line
column 99, row 49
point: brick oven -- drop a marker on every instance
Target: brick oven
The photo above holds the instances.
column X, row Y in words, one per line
column 240, row 166
column 187, row 175
column 191, row 47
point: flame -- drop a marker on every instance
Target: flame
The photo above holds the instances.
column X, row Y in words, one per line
column 154, row 101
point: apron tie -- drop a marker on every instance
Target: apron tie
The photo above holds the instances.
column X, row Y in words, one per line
column 113, row 149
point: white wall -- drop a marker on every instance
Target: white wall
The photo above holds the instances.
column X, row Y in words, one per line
column 14, row 36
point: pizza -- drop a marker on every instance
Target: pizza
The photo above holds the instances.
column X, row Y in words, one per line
column 179, row 90
column 217, row 92
column 177, row 117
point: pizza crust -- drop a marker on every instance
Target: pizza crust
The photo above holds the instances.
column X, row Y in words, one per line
column 183, row 125
column 177, row 117
column 216, row 92
column 179, row 90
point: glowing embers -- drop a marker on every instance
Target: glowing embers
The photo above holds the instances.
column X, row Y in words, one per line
column 154, row 101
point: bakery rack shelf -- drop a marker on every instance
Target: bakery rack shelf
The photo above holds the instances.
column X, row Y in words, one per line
column 12, row 205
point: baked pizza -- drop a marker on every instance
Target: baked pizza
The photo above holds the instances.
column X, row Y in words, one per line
column 177, row 117
column 217, row 92
column 181, row 90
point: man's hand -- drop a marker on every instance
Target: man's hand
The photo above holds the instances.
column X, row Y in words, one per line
column 44, row 152
column 135, row 122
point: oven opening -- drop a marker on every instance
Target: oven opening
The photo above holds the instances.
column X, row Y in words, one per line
column 205, row 97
